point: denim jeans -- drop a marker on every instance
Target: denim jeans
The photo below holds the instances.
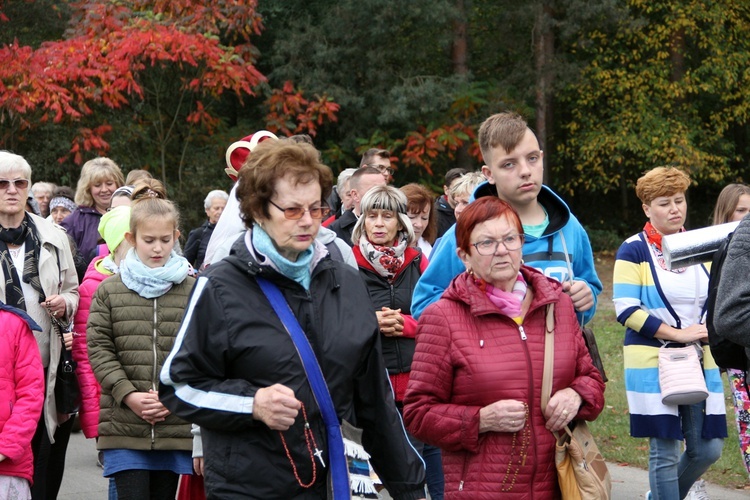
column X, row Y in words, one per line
column 670, row 473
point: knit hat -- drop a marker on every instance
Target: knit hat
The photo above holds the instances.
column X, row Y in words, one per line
column 238, row 152
column 113, row 226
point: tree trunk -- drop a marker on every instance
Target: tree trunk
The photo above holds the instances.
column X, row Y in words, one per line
column 460, row 47
column 544, row 47
column 623, row 199
column 460, row 60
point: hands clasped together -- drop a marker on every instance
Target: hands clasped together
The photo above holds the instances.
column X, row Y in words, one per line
column 390, row 321
column 147, row 406
column 509, row 415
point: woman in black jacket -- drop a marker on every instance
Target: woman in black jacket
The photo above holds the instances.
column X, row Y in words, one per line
column 236, row 372
column 390, row 267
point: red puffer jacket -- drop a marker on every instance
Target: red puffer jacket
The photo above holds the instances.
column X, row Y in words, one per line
column 90, row 389
column 21, row 392
column 468, row 356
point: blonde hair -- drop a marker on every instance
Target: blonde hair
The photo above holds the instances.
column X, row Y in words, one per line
column 148, row 188
column 10, row 161
column 727, row 202
column 150, row 202
column 466, row 184
column 661, row 181
column 94, row 171
column 137, row 175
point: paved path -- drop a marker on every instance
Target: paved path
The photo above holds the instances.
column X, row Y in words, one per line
column 83, row 479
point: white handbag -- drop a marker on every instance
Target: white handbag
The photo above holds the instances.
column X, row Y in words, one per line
column 681, row 375
column 680, row 370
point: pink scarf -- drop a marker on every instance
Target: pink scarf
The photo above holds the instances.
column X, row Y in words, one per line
column 509, row 303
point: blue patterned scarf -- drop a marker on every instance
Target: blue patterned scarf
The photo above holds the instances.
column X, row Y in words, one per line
column 152, row 282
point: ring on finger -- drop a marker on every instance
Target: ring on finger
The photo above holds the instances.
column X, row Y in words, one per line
column 565, row 413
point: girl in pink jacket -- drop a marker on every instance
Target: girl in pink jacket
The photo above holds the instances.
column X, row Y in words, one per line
column 21, row 399
column 112, row 227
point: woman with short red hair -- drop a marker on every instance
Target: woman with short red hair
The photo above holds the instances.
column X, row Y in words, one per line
column 476, row 378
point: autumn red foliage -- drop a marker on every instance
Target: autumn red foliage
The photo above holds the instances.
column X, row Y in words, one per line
column 101, row 60
column 290, row 113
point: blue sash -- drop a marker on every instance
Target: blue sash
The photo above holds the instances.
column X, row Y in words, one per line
column 336, row 457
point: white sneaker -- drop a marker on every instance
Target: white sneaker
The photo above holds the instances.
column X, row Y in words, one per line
column 698, row 491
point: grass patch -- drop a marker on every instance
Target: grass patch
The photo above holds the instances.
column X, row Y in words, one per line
column 612, row 428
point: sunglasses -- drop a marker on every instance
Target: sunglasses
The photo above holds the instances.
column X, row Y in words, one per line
column 18, row 183
column 294, row 213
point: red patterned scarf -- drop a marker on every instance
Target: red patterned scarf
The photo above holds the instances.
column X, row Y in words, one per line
column 386, row 260
column 654, row 240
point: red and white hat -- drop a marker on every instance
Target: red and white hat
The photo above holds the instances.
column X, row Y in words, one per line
column 238, row 152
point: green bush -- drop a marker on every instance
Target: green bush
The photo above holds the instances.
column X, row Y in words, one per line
column 604, row 240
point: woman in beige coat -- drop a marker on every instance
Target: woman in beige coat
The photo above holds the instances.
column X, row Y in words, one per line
column 37, row 275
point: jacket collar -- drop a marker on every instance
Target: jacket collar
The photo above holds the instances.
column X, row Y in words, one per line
column 246, row 261
column 557, row 210
column 88, row 210
column 48, row 232
column 410, row 254
column 443, row 205
column 23, row 315
column 463, row 289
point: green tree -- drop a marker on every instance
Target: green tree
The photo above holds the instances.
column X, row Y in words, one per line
column 398, row 70
column 665, row 86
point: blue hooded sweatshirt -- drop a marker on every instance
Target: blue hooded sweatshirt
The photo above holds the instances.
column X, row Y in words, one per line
column 544, row 253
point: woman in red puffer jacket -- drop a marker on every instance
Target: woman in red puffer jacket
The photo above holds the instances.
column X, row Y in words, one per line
column 476, row 378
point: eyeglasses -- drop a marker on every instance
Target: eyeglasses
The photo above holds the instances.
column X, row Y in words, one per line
column 18, row 183
column 294, row 213
column 381, row 168
column 489, row 247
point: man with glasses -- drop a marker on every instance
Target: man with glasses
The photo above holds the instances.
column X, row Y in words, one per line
column 379, row 159
column 361, row 181
column 554, row 240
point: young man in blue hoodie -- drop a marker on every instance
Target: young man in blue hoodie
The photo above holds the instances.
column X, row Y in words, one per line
column 514, row 169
